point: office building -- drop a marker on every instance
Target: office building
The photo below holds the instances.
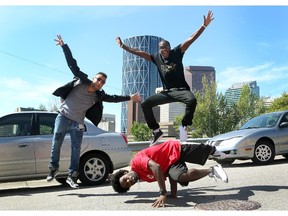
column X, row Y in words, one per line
column 195, row 74
column 233, row 93
column 107, row 122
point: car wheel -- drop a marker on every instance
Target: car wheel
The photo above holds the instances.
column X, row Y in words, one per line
column 225, row 162
column 61, row 180
column 264, row 153
column 94, row 169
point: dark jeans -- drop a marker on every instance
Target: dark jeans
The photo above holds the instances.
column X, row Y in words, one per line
column 184, row 96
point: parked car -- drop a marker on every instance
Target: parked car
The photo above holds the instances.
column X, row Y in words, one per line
column 25, row 146
column 260, row 139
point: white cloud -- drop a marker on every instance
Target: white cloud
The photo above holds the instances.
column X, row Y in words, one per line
column 16, row 92
column 266, row 74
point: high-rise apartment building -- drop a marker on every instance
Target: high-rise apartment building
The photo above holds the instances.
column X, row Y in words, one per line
column 138, row 75
column 233, row 93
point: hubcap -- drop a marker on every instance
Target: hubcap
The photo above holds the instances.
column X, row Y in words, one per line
column 263, row 153
column 94, row 169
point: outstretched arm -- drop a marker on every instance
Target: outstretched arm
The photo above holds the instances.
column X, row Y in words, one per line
column 119, row 98
column 72, row 63
column 137, row 52
column 185, row 45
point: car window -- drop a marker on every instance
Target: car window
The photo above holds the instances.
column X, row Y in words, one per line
column 18, row 124
column 284, row 118
column 46, row 123
column 262, row 121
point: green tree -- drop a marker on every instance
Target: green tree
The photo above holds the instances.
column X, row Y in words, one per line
column 205, row 117
column 140, row 131
column 227, row 116
column 213, row 115
column 280, row 103
column 249, row 105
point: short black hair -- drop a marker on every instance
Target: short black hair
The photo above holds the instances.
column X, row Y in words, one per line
column 103, row 74
column 115, row 181
column 165, row 41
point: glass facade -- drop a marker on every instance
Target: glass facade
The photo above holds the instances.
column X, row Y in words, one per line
column 138, row 74
column 233, row 94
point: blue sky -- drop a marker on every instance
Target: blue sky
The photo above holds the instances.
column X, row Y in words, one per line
column 243, row 43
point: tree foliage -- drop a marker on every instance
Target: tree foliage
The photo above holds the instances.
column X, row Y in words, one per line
column 280, row 103
column 213, row 115
column 140, row 131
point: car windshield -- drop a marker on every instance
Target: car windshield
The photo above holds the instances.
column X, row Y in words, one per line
column 262, row 121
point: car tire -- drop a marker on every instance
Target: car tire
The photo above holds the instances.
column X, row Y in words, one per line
column 264, row 153
column 94, row 169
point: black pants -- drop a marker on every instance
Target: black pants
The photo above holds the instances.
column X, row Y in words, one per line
column 184, row 96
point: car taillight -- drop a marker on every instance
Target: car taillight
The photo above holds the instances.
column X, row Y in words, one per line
column 124, row 137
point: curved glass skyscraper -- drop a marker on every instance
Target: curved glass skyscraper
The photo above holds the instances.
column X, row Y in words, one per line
column 138, row 74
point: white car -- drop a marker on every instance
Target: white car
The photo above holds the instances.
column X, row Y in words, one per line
column 260, row 139
column 25, row 146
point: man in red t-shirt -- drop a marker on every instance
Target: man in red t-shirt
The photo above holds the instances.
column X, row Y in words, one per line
column 168, row 159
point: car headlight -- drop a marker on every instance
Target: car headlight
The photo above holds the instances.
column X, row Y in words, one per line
column 231, row 141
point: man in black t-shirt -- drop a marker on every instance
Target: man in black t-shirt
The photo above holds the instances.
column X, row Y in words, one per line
column 175, row 88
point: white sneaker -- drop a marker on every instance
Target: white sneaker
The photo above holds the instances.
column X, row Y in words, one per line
column 218, row 172
column 72, row 181
column 183, row 134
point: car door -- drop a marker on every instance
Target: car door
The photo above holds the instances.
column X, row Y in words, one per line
column 43, row 144
column 17, row 145
column 283, row 135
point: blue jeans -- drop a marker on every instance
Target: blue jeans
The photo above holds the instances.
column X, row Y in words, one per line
column 62, row 126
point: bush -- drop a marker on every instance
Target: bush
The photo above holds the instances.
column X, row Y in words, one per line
column 140, row 131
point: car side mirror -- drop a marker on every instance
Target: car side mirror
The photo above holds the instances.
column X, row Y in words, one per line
column 283, row 125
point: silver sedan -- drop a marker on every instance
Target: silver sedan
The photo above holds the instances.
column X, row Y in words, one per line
column 260, row 139
column 25, row 146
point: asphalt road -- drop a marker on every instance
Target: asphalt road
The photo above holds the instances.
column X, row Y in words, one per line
column 266, row 185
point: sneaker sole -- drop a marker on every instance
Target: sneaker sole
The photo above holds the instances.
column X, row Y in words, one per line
column 221, row 169
column 52, row 178
column 154, row 143
column 75, row 187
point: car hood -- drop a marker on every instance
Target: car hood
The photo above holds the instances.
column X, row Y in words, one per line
column 237, row 133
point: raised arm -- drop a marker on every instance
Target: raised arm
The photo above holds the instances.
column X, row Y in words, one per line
column 157, row 172
column 137, row 52
column 72, row 63
column 207, row 20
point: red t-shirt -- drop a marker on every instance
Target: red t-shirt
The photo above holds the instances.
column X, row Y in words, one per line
column 164, row 154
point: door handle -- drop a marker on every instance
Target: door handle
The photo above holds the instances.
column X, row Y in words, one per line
column 21, row 145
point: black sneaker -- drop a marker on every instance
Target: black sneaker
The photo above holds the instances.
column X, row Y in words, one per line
column 52, row 174
column 72, row 181
column 156, row 137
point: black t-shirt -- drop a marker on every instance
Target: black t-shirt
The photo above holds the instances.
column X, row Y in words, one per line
column 171, row 70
